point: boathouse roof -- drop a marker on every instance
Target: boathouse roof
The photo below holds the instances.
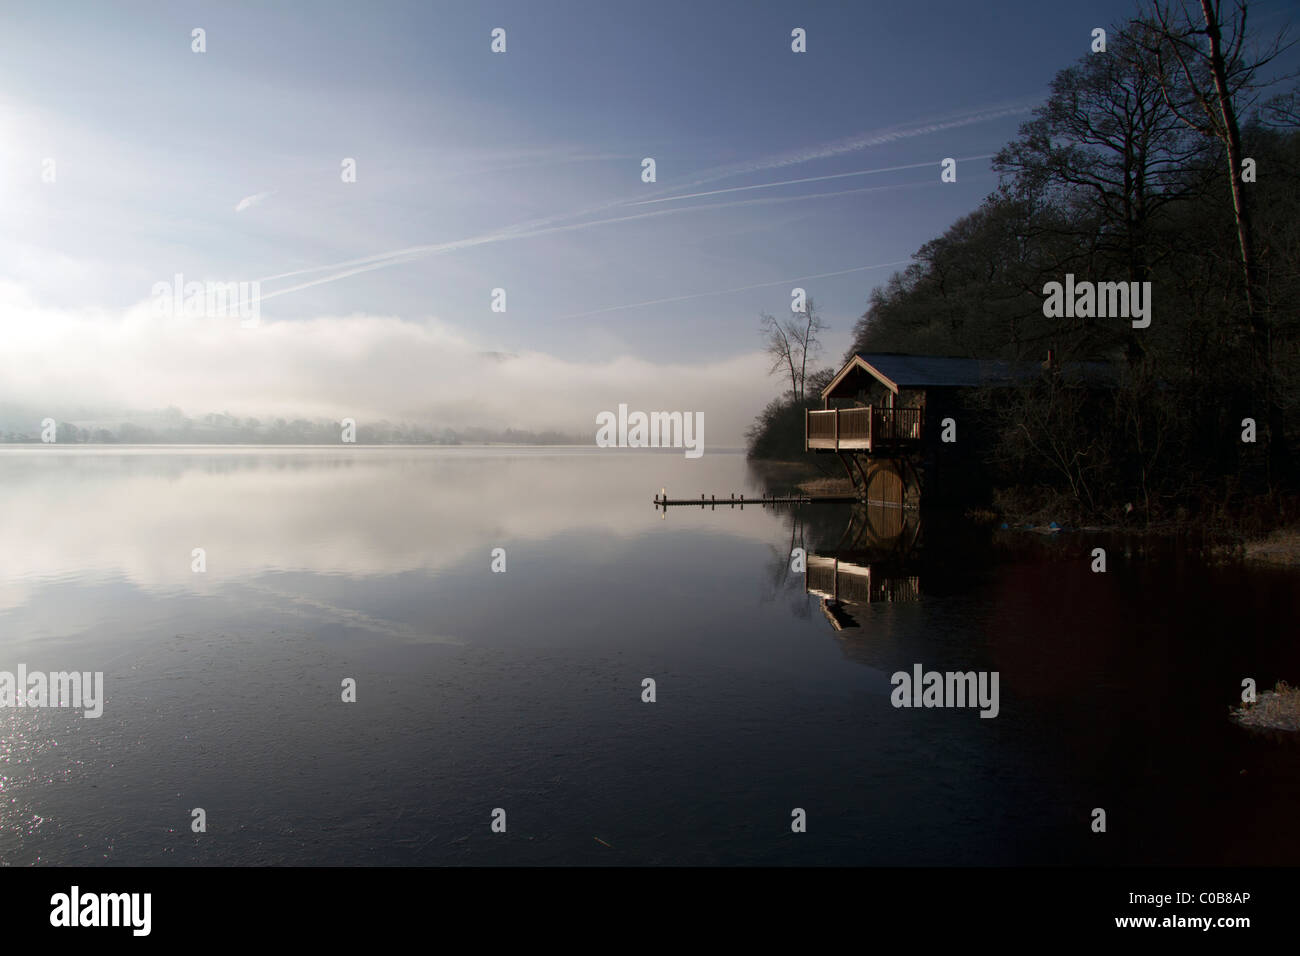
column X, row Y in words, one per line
column 899, row 370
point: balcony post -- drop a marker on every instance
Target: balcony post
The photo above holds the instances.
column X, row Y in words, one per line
column 837, row 429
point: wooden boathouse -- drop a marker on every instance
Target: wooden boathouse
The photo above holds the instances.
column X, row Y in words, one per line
column 904, row 425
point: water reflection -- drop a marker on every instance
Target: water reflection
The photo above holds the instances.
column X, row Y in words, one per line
column 523, row 689
column 875, row 561
column 103, row 514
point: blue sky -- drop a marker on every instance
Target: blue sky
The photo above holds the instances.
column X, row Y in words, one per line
column 477, row 170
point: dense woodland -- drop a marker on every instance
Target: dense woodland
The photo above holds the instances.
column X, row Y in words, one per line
column 1171, row 159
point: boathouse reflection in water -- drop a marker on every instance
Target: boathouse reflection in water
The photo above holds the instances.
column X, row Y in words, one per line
column 874, row 561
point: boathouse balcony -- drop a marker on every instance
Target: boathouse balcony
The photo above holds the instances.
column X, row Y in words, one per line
column 845, row 582
column 870, row 429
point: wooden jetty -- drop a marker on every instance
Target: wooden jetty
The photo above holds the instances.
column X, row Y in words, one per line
column 712, row 502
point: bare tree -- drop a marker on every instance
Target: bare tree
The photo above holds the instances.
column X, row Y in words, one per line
column 1046, row 425
column 779, row 345
column 792, row 342
column 1221, row 82
column 1106, row 139
column 1282, row 111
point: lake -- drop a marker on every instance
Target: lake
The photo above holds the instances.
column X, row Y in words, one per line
column 522, row 690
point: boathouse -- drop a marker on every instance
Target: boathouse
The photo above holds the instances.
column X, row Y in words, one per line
column 907, row 425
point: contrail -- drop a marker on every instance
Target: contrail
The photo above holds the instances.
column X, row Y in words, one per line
column 249, row 201
column 406, row 255
column 742, row 288
column 880, row 137
column 806, row 179
column 547, row 224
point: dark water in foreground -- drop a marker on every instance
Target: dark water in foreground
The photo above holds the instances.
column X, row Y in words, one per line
column 522, row 690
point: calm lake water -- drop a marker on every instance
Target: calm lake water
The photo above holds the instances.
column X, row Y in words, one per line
column 522, row 690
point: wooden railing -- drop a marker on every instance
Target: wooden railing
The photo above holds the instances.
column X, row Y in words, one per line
column 895, row 424
column 866, row 428
column 850, row 583
column 821, row 429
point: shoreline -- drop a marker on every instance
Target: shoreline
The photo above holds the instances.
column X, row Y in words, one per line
column 1280, row 548
column 1275, row 710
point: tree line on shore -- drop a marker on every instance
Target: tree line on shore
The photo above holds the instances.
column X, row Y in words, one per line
column 173, row 427
column 1167, row 159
